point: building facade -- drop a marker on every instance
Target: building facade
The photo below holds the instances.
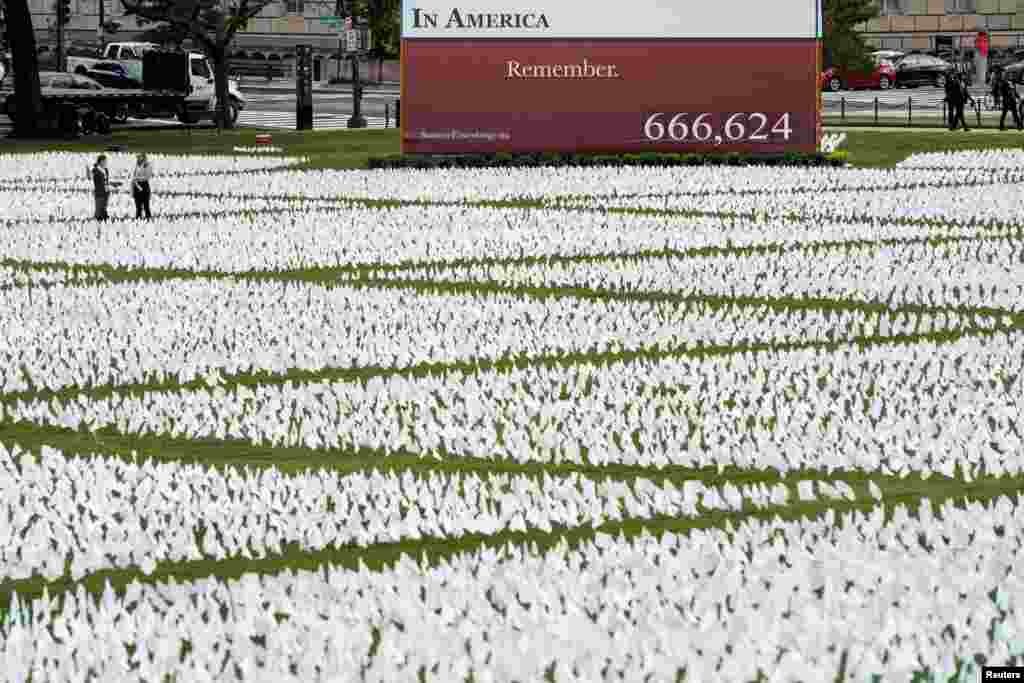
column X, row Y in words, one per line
column 273, row 34
column 267, row 44
column 944, row 26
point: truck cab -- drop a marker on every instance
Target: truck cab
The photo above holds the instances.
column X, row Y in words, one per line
column 202, row 91
column 130, row 55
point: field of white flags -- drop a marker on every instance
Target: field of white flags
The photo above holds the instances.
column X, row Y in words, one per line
column 694, row 424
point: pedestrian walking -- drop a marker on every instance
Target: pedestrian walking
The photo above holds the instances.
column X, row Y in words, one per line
column 141, row 191
column 952, row 99
column 101, row 187
column 1008, row 95
column 995, row 83
column 958, row 97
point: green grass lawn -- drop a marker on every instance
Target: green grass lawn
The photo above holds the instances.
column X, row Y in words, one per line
column 324, row 149
column 883, row 147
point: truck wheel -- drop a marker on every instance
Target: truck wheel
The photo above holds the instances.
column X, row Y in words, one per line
column 120, row 113
column 187, row 118
column 87, row 124
column 10, row 107
column 233, row 111
column 70, row 121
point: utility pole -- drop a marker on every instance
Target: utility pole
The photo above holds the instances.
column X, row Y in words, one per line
column 102, row 21
column 357, row 120
column 61, row 19
column 340, row 10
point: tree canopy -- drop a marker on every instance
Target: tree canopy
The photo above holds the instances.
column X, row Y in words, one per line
column 27, row 101
column 843, row 45
column 211, row 24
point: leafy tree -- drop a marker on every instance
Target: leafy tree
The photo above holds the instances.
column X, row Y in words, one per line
column 164, row 34
column 382, row 18
column 27, row 99
column 843, row 45
column 209, row 23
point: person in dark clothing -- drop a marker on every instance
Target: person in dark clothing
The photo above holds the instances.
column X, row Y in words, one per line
column 101, row 187
column 140, row 186
column 952, row 100
column 1009, row 97
column 963, row 96
column 995, row 83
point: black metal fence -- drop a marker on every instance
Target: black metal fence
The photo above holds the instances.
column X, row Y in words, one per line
column 923, row 110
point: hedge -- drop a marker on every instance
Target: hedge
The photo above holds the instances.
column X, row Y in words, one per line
column 506, row 160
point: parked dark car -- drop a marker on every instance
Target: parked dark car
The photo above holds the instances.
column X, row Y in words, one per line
column 112, row 75
column 917, row 69
column 61, row 81
column 65, row 81
column 1014, row 72
column 887, row 55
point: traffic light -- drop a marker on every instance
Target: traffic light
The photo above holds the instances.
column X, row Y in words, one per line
column 63, row 11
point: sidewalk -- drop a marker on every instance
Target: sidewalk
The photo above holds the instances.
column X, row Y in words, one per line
column 922, row 129
column 254, row 84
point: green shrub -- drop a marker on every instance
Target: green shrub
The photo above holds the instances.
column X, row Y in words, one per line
column 841, row 156
column 554, row 159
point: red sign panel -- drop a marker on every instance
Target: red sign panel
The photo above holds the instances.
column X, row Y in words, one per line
column 981, row 43
column 610, row 95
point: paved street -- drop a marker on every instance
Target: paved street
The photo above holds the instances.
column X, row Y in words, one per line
column 275, row 108
column 334, row 101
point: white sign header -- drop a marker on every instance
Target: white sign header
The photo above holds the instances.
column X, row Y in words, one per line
column 639, row 19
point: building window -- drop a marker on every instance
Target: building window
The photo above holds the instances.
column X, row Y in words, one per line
column 893, row 7
column 295, row 6
column 961, row 6
column 999, row 22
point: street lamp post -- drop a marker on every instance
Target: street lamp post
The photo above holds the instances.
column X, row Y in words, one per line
column 357, row 120
column 304, row 87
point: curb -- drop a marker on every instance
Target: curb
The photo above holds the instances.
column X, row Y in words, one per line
column 919, row 129
column 343, row 88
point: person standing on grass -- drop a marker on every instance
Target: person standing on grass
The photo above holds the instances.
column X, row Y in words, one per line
column 101, row 187
column 140, row 186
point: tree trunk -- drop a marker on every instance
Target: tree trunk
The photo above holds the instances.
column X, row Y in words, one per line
column 28, row 103
column 220, row 77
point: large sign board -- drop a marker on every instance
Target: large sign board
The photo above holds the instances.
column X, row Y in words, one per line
column 573, row 75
